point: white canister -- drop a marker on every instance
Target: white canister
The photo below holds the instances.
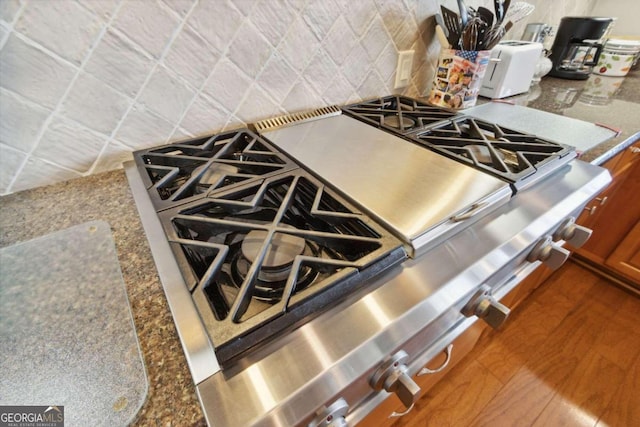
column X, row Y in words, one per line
column 617, row 57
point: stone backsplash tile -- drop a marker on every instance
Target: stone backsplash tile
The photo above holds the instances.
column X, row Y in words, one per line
column 191, row 57
column 249, row 50
column 128, row 74
column 166, row 95
column 202, row 116
column 95, row 104
column 120, row 64
column 9, row 10
column 227, row 84
column 149, row 24
column 112, row 157
column 20, row 121
column 77, row 28
column 33, row 73
column 37, row 172
column 11, row 160
column 58, row 150
column 142, row 128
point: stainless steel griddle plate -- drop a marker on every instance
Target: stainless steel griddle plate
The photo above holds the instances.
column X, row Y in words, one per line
column 419, row 195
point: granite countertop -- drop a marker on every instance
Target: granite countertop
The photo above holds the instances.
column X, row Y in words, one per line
column 171, row 399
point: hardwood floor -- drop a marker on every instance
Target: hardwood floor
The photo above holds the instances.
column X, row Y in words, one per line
column 568, row 356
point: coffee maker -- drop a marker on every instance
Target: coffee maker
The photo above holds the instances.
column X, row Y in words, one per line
column 577, row 46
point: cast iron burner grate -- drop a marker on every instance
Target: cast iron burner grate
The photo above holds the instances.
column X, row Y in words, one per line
column 505, row 153
column 260, row 257
column 187, row 170
column 398, row 114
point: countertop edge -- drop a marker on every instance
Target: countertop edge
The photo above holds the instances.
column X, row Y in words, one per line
column 611, row 152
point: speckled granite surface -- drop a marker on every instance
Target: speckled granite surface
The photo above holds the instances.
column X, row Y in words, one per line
column 67, row 329
column 171, row 398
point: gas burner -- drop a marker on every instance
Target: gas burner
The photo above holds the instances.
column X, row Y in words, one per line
column 399, row 122
column 483, row 154
column 179, row 172
column 261, row 256
column 508, row 154
column 276, row 265
column 398, row 114
column 209, row 176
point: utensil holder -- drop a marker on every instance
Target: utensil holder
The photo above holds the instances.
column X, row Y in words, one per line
column 458, row 77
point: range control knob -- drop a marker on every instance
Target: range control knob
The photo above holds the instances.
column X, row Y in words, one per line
column 332, row 415
column 574, row 234
column 392, row 376
column 551, row 255
column 486, row 307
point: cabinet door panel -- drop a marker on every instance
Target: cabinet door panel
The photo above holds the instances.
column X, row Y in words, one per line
column 614, row 219
column 628, row 158
column 626, row 257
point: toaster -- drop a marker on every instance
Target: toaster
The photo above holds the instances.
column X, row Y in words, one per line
column 510, row 69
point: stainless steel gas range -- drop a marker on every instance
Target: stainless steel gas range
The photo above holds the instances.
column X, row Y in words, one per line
column 315, row 262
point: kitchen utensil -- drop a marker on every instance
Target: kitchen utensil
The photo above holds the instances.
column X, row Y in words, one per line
column 486, row 15
column 518, row 11
column 440, row 21
column 499, row 9
column 464, row 14
column 482, row 32
column 452, row 23
column 505, row 9
column 442, row 38
column 470, row 34
column 506, row 28
column 492, row 35
column 495, row 34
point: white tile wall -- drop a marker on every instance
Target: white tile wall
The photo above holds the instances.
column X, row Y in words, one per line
column 85, row 82
column 33, row 73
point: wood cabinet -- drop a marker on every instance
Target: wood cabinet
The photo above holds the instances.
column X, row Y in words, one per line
column 626, row 257
column 388, row 412
column 614, row 217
